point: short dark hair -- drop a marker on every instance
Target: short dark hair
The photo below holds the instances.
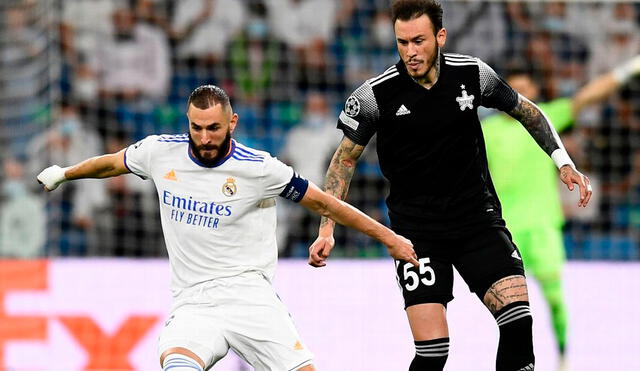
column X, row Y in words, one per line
column 206, row 96
column 406, row 10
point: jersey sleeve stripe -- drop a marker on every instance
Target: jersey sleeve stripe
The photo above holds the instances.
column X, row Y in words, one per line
column 390, row 68
column 176, row 136
column 461, row 63
column 248, row 153
column 459, row 59
column 242, row 155
column 458, row 56
column 235, row 156
column 385, row 79
column 383, row 75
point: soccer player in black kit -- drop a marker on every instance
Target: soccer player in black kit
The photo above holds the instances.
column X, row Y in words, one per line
column 431, row 149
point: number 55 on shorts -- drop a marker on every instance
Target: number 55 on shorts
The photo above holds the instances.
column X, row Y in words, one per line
column 412, row 279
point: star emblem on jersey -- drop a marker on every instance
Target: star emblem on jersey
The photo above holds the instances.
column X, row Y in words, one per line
column 465, row 101
column 171, row 176
column 402, row 111
column 352, row 106
column 229, row 188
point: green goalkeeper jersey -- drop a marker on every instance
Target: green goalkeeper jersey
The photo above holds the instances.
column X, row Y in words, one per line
column 525, row 177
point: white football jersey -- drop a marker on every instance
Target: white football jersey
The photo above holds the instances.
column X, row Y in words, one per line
column 217, row 221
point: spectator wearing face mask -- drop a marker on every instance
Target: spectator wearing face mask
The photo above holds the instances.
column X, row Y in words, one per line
column 133, row 63
column 71, row 213
column 375, row 55
column 258, row 62
column 22, row 215
column 308, row 28
column 308, row 147
column 202, row 31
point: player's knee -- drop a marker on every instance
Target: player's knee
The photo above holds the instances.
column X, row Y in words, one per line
column 515, row 349
column 180, row 362
column 430, row 355
column 506, row 291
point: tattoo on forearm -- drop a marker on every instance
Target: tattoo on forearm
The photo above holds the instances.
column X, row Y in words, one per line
column 536, row 124
column 505, row 291
column 340, row 172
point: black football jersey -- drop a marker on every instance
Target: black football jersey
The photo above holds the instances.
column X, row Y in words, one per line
column 430, row 144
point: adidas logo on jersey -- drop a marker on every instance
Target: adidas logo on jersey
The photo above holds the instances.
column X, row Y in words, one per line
column 171, row 176
column 402, row 111
column 298, row 346
column 515, row 255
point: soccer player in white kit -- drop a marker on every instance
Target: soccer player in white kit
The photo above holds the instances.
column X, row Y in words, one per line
column 217, row 207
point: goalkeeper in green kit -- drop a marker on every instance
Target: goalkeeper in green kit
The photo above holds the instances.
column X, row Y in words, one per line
column 525, row 179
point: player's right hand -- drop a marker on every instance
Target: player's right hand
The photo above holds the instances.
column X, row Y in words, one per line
column 402, row 249
column 51, row 177
column 320, row 249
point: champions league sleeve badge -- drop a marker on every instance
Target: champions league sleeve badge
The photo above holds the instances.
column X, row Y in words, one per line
column 352, row 106
column 229, row 188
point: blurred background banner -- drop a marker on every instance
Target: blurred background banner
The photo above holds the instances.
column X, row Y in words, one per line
column 63, row 315
column 80, row 78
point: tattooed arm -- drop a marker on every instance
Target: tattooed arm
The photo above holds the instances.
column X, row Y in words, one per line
column 539, row 127
column 337, row 180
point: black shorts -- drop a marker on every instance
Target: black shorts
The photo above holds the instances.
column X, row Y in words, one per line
column 481, row 259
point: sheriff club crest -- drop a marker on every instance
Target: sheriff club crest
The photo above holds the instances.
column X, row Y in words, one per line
column 229, row 188
column 465, row 101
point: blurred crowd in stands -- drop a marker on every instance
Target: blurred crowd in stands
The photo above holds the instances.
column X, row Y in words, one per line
column 84, row 77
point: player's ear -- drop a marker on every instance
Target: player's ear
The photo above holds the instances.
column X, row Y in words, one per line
column 441, row 37
column 233, row 122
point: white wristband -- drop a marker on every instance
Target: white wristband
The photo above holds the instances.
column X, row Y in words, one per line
column 52, row 177
column 561, row 158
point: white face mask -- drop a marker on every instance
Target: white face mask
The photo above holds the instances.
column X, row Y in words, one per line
column 13, row 189
column 69, row 125
column 383, row 34
column 567, row 87
column 258, row 29
column 554, row 24
column 86, row 89
column 315, row 120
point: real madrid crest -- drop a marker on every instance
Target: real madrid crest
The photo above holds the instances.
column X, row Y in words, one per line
column 229, row 188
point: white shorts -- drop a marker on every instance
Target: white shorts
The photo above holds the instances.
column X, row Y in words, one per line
column 243, row 313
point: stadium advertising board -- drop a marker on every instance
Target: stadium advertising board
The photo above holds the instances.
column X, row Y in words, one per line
column 106, row 314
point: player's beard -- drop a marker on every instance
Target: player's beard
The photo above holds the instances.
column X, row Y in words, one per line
column 222, row 149
column 432, row 63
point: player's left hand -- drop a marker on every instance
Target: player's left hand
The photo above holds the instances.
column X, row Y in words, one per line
column 569, row 176
column 320, row 249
